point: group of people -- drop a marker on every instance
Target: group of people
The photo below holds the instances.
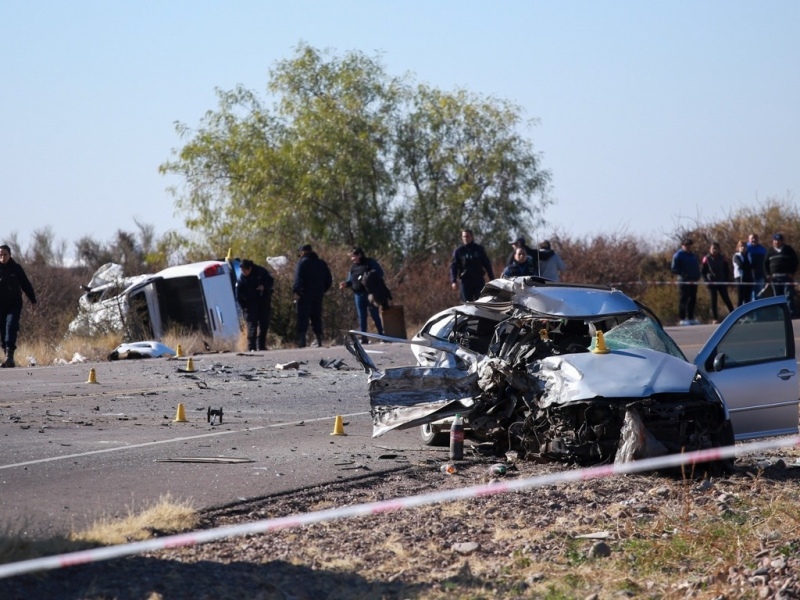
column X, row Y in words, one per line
column 755, row 269
column 312, row 279
column 470, row 262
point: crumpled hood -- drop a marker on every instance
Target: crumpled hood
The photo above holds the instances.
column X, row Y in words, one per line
column 634, row 373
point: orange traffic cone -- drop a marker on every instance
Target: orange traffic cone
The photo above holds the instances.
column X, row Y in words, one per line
column 600, row 345
column 92, row 376
column 190, row 365
column 180, row 416
column 338, row 426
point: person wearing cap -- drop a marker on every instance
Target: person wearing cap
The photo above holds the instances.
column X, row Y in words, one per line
column 13, row 282
column 757, row 255
column 716, row 273
column 468, row 265
column 530, row 252
column 356, row 280
column 312, row 278
column 780, row 266
column 254, row 295
column 550, row 264
column 686, row 266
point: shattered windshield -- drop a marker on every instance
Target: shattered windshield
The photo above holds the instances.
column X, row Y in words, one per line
column 641, row 332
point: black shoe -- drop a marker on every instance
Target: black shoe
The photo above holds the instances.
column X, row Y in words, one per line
column 8, row 363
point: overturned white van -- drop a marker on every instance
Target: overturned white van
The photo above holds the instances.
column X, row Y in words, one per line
column 195, row 297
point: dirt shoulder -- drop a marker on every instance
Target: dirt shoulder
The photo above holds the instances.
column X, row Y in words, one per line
column 647, row 535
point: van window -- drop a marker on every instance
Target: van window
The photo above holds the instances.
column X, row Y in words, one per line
column 182, row 304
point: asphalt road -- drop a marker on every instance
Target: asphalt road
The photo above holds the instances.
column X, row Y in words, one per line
column 72, row 452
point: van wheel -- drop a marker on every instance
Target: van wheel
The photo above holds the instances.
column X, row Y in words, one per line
column 433, row 436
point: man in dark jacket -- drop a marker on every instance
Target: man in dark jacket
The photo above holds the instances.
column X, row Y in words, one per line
column 781, row 265
column 312, row 278
column 717, row 274
column 686, row 266
column 13, row 282
column 468, row 264
column 254, row 294
column 356, row 279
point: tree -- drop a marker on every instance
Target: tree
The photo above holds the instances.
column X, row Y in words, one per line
column 465, row 165
column 347, row 155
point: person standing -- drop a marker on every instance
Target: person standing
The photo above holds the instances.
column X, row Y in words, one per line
column 550, row 264
column 312, row 278
column 530, row 252
column 716, row 273
column 13, row 282
column 523, row 265
column 468, row 265
column 757, row 255
column 254, row 294
column 356, row 279
column 780, row 266
column 742, row 273
column 686, row 266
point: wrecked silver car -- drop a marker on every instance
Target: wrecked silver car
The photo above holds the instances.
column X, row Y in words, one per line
column 585, row 374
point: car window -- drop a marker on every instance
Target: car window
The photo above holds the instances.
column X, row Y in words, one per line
column 756, row 337
column 641, row 332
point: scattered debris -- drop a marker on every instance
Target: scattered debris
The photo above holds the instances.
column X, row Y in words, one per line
column 213, row 414
column 148, row 349
column 290, row 365
column 331, row 363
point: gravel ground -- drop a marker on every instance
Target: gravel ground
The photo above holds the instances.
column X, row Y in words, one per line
column 574, row 540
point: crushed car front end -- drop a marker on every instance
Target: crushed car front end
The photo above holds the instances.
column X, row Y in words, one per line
column 545, row 388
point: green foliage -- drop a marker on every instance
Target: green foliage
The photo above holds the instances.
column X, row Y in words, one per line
column 462, row 163
column 348, row 155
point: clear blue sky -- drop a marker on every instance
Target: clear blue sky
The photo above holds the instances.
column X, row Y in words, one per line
column 650, row 114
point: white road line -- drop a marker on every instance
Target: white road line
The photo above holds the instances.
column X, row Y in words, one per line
column 170, row 441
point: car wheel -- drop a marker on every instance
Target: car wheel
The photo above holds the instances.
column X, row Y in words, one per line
column 433, row 436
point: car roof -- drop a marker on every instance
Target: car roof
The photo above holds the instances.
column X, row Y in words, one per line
column 556, row 299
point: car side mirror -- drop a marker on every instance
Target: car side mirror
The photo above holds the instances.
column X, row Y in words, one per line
column 719, row 362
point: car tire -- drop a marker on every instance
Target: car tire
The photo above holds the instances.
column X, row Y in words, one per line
column 433, row 436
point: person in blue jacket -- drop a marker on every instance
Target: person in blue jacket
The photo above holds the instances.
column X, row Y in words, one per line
column 686, row 266
column 523, row 265
column 356, row 279
column 757, row 255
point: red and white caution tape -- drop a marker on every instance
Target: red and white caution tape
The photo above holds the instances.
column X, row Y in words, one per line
column 373, row 508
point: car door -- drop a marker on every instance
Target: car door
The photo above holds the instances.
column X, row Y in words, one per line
column 751, row 360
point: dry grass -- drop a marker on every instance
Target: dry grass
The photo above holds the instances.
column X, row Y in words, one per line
column 165, row 516
column 96, row 349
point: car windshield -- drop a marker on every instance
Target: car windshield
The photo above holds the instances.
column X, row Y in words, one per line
column 641, row 332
